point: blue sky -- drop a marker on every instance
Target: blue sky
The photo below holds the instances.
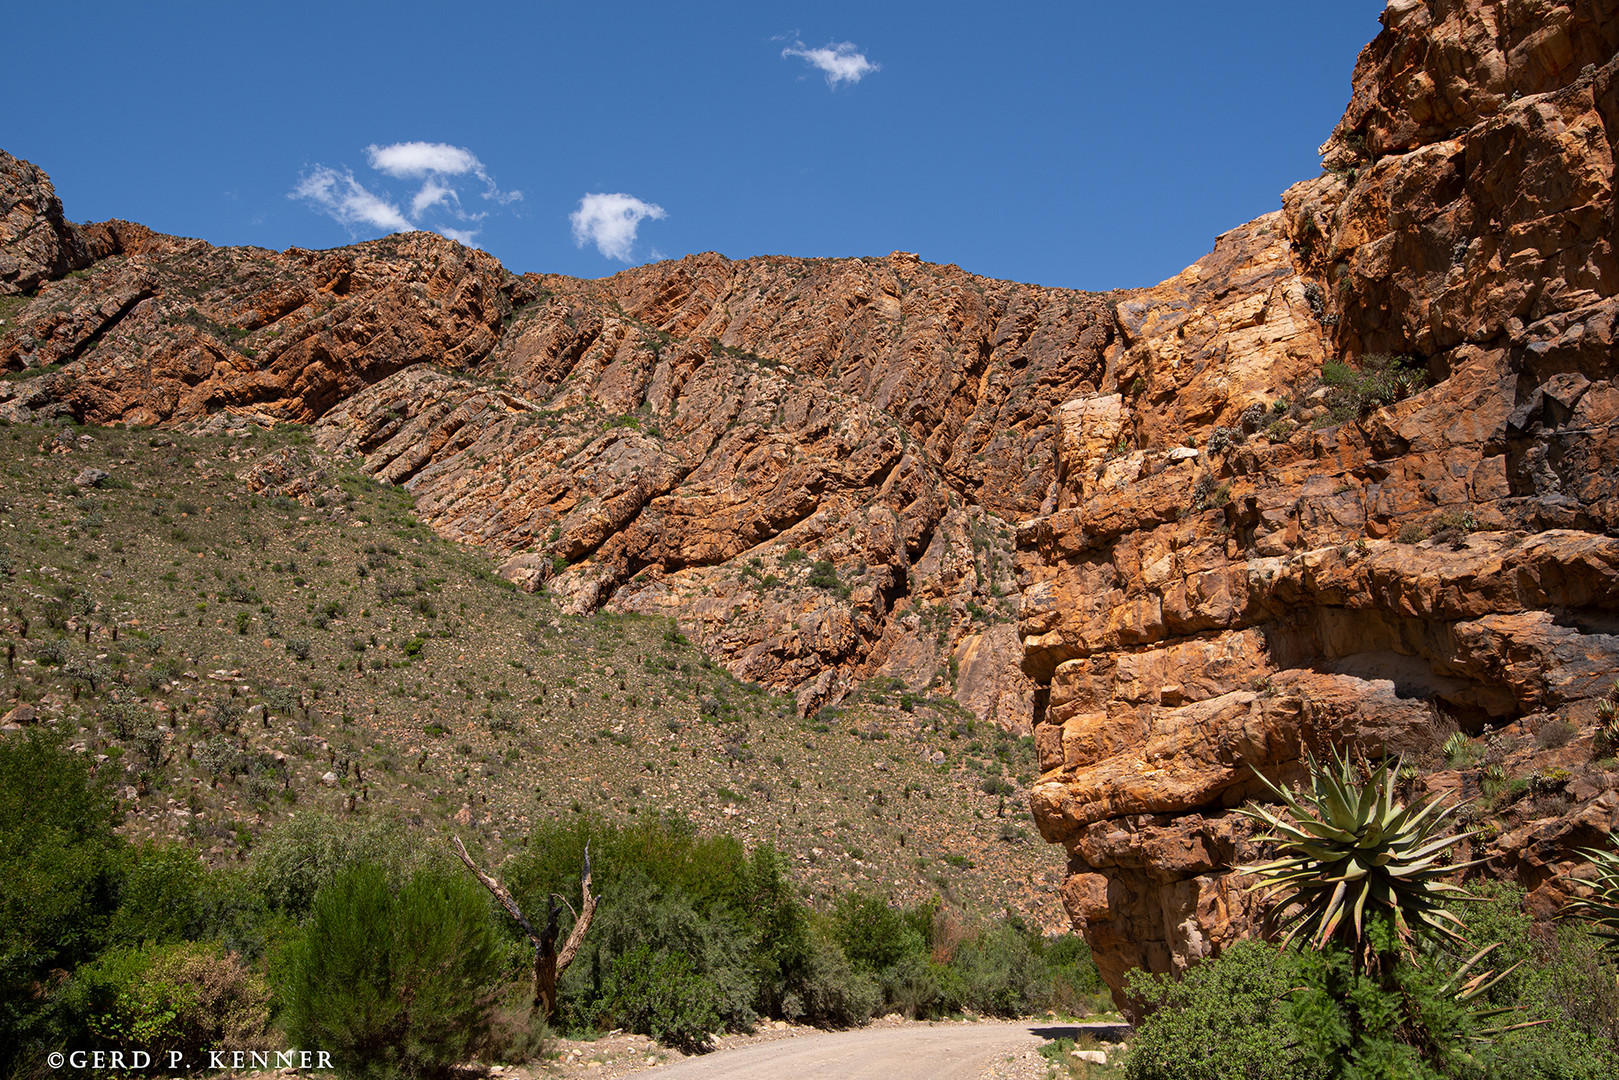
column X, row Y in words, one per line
column 1082, row 144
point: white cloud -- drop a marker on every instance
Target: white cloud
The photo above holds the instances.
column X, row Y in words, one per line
column 409, row 160
column 433, row 194
column 469, row 237
column 610, row 222
column 347, row 201
column 435, row 205
column 840, row 61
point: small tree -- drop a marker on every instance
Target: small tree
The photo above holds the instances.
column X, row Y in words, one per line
column 549, row 963
column 392, row 984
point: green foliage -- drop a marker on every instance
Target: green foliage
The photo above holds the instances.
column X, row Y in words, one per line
column 648, row 928
column 1001, row 972
column 1226, row 1019
column 163, row 897
column 1564, row 979
column 295, row 861
column 187, row 997
column 750, row 947
column 58, row 878
column 1256, row 1012
column 829, row 991
column 393, row 983
column 823, row 575
column 659, row 993
column 1378, row 380
column 1601, row 908
column 875, row 935
column 1404, row 1021
column 1349, row 849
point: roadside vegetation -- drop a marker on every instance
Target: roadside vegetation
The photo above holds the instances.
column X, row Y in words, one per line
column 1387, row 968
column 258, row 679
column 351, row 935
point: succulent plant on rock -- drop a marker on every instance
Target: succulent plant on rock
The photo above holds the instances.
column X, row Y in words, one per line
column 1601, row 908
column 1350, row 850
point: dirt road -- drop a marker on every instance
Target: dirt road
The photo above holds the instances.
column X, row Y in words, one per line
column 941, row 1052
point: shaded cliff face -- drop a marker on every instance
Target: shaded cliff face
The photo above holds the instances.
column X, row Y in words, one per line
column 815, row 464
column 1323, row 569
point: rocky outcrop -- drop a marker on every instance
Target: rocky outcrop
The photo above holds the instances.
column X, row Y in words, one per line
column 814, row 464
column 1247, row 563
column 36, row 243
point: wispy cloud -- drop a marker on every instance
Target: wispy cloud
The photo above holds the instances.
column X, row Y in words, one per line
column 610, row 222
column 416, row 160
column 435, row 205
column 839, row 61
column 348, row 201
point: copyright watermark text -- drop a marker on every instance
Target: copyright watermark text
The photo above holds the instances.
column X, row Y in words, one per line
column 175, row 1061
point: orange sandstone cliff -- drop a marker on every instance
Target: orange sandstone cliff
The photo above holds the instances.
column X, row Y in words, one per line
column 1321, row 571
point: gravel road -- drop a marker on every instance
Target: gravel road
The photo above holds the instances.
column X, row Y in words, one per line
column 942, row 1052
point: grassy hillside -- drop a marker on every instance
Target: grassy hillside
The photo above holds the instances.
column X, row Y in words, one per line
column 236, row 657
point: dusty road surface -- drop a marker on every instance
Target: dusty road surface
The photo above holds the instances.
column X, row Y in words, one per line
column 943, row 1052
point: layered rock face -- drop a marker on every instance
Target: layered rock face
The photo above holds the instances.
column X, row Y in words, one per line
column 812, row 463
column 1246, row 564
column 37, row 243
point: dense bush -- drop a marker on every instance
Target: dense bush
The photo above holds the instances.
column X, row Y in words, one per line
column 1226, row 1019
column 1256, row 1012
column 187, row 997
column 59, row 863
column 388, row 954
column 296, row 860
column 391, row 983
column 660, row 993
column 706, row 915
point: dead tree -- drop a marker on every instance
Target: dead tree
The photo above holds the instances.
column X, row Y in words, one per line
column 549, row 964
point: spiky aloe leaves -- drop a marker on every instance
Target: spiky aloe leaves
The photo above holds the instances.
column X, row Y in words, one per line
column 1350, row 851
column 1601, row 909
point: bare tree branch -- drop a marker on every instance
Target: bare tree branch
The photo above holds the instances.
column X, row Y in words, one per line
column 500, row 892
column 548, row 963
column 587, row 911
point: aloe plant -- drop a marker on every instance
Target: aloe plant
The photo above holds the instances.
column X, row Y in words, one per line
column 1601, row 909
column 1350, row 850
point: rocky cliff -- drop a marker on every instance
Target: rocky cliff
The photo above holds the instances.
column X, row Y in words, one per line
column 1345, row 480
column 813, row 463
column 1260, row 549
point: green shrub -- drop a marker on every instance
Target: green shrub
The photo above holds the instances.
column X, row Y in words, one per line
column 186, row 998
column 1001, row 973
column 1405, row 1020
column 1256, row 1012
column 59, row 862
column 163, row 897
column 655, row 924
column 1378, row 380
column 660, row 993
column 830, row 991
column 1226, row 1019
column 292, row 863
column 876, row 936
column 394, row 984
